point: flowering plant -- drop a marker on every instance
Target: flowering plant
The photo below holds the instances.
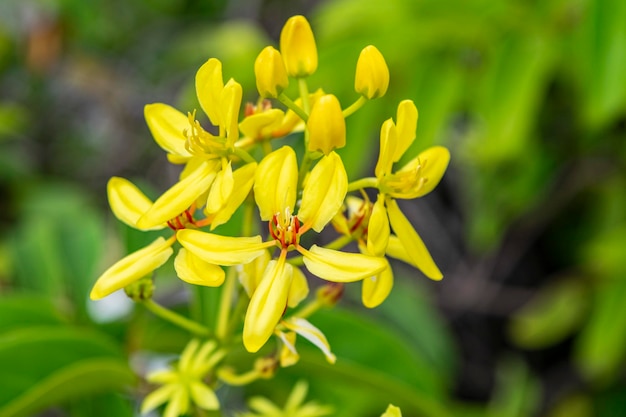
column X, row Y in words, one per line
column 284, row 192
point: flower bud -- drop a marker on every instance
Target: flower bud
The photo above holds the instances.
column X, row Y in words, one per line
column 327, row 126
column 140, row 290
column 297, row 46
column 270, row 73
column 372, row 74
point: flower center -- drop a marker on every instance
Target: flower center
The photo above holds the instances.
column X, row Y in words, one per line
column 285, row 229
column 182, row 221
column 201, row 142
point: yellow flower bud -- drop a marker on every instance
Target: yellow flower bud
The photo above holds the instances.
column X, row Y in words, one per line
column 372, row 74
column 270, row 73
column 327, row 126
column 297, row 46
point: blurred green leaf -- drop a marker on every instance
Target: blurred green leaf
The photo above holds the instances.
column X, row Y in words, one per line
column 552, row 315
column 599, row 49
column 601, row 347
column 517, row 393
column 102, row 405
column 45, row 365
column 20, row 310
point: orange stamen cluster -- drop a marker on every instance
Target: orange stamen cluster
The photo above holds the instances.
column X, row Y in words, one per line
column 182, row 221
column 285, row 230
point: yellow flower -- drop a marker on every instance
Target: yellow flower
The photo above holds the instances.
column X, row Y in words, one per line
column 392, row 411
column 294, row 406
column 415, row 179
column 327, row 126
column 183, row 385
column 270, row 73
column 275, row 194
column 297, row 46
column 372, row 75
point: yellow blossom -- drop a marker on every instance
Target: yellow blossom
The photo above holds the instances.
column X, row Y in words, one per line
column 294, row 406
column 275, row 194
column 270, row 73
column 392, row 411
column 297, row 46
column 326, row 125
column 184, row 384
column 372, row 75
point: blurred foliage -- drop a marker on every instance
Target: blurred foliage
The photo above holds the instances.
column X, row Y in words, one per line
column 529, row 96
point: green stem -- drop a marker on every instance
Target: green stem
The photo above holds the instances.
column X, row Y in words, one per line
column 369, row 182
column 304, row 95
column 293, row 106
column 245, row 156
column 177, row 319
column 308, row 309
column 304, row 168
column 354, row 106
column 339, row 243
column 225, row 304
column 242, row 303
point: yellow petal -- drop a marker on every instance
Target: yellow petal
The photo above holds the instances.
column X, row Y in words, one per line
column 326, row 125
column 195, row 271
column 406, row 124
column 127, row 202
column 433, row 163
column 388, row 144
column 250, row 274
column 220, row 190
column 324, row 192
column 297, row 46
column 337, row 266
column 267, row 304
column 178, row 198
column 167, row 126
column 262, row 125
column 412, row 242
column 312, row 334
column 221, row 250
column 270, row 73
column 156, row 398
column 292, row 122
column 230, row 103
column 178, row 404
column 392, row 411
column 378, row 229
column 243, row 178
column 275, row 183
column 203, row 396
column 376, row 288
column 209, row 86
column 288, row 354
column 131, row 268
column 372, row 75
column 397, row 251
column 299, row 288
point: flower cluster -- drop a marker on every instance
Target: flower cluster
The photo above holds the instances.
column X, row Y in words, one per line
column 241, row 165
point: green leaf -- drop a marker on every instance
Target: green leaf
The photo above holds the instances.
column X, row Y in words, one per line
column 601, row 346
column 72, row 381
column 517, row 393
column 20, row 310
column 555, row 313
column 33, row 355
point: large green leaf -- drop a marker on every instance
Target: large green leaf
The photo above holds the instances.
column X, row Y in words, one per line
column 555, row 313
column 49, row 361
column 601, row 347
column 19, row 310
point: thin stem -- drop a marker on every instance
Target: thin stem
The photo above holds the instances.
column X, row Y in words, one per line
column 304, row 95
column 308, row 309
column 245, row 156
column 177, row 319
column 304, row 168
column 293, row 106
column 339, row 243
column 225, row 304
column 354, row 106
column 369, row 182
column 242, row 302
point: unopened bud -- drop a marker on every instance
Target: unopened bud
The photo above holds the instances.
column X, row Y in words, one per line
column 140, row 290
column 270, row 73
column 266, row 367
column 327, row 126
column 372, row 74
column 298, row 49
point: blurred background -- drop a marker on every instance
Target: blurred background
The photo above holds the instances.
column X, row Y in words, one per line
column 528, row 225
